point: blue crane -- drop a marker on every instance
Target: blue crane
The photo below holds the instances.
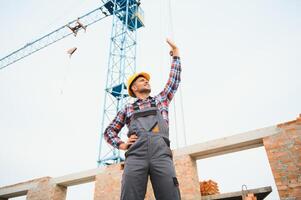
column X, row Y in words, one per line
column 127, row 18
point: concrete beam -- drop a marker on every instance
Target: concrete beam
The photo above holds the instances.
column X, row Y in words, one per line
column 77, row 178
column 16, row 190
column 260, row 193
column 239, row 142
column 67, row 180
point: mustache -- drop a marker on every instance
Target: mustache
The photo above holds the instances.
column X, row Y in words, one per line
column 145, row 90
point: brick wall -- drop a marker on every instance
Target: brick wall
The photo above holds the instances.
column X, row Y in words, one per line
column 187, row 174
column 284, row 154
column 108, row 183
column 46, row 191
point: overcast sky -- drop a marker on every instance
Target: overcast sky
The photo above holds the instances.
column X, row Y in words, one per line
column 241, row 71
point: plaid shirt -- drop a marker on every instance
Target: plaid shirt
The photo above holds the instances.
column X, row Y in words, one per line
column 162, row 101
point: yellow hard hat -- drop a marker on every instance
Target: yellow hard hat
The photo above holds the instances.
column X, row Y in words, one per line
column 132, row 79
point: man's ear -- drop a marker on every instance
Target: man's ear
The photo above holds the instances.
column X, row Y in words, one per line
column 134, row 88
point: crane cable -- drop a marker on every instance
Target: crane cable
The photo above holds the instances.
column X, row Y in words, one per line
column 171, row 32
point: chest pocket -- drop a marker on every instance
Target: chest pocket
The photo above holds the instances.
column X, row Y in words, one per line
column 144, row 120
column 147, row 120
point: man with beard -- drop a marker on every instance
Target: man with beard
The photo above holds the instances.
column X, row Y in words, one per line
column 148, row 146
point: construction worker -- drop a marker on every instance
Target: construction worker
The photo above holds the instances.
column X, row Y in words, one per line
column 148, row 147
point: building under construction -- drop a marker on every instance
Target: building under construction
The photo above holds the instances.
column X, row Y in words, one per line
column 281, row 142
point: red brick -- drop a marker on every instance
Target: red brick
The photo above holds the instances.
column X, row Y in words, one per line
column 294, row 185
column 282, row 187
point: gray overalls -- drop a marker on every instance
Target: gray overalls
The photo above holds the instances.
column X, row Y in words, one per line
column 149, row 155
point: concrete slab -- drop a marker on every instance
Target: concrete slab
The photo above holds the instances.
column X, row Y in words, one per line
column 16, row 190
column 77, row 178
column 260, row 193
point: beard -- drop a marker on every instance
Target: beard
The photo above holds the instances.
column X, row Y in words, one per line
column 145, row 91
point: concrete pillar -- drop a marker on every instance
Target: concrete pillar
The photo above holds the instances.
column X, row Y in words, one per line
column 187, row 175
column 108, row 183
column 47, row 191
column 284, row 154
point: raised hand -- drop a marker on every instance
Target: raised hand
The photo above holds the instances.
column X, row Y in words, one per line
column 174, row 49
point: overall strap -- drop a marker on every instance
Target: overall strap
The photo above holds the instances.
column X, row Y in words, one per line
column 153, row 102
column 136, row 106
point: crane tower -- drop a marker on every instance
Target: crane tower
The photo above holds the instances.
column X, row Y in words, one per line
column 127, row 18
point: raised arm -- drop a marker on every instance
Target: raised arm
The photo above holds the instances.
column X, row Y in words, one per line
column 174, row 74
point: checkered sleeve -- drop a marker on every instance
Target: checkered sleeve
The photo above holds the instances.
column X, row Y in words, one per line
column 111, row 132
column 173, row 81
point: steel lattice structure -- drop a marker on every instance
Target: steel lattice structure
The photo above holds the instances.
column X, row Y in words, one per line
column 127, row 18
column 56, row 35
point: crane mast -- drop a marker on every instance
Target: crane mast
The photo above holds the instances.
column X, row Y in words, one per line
column 127, row 18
